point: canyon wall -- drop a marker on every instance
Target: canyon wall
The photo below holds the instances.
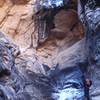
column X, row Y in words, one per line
column 16, row 21
column 26, row 62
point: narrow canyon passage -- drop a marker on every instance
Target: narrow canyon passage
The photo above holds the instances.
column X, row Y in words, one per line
column 40, row 52
column 48, row 48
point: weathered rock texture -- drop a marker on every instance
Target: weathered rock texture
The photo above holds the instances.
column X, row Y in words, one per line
column 26, row 71
column 91, row 20
column 16, row 21
column 24, row 76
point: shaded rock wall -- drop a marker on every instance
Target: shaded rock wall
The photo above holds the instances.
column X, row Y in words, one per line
column 25, row 77
column 65, row 34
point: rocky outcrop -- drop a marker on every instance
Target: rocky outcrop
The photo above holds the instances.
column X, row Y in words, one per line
column 28, row 69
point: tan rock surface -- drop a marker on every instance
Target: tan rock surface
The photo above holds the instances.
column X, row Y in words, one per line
column 16, row 21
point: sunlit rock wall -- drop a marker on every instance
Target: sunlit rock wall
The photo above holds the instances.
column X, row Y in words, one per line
column 16, row 21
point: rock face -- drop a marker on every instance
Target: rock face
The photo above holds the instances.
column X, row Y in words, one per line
column 30, row 69
column 16, row 21
column 23, row 76
column 61, row 37
column 17, row 71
